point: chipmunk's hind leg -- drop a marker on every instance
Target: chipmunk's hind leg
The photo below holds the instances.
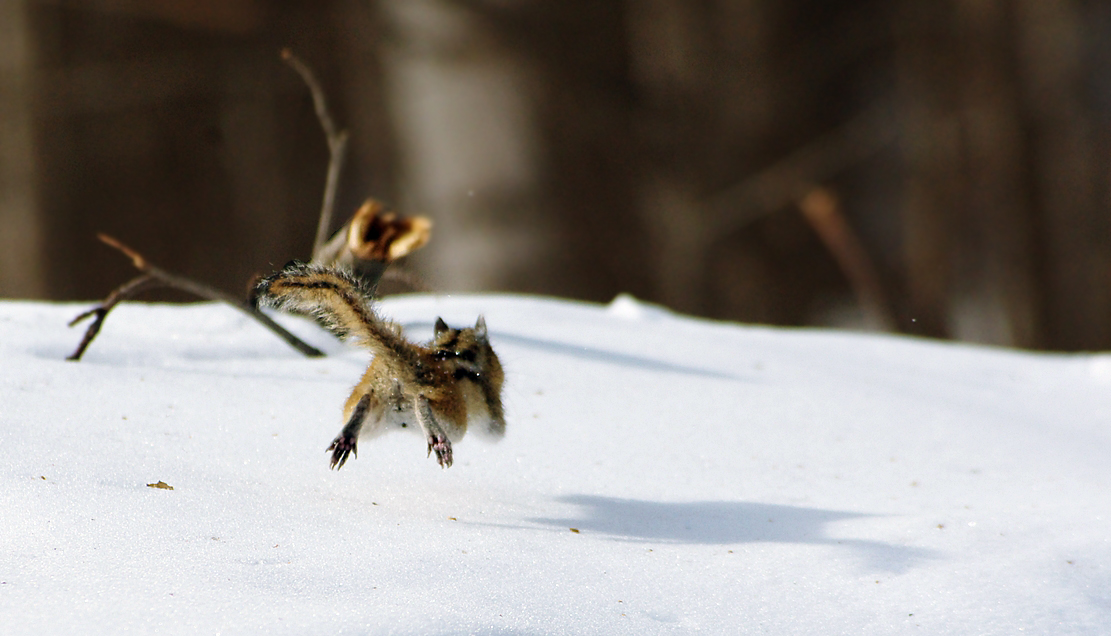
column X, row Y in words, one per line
column 437, row 439
column 346, row 442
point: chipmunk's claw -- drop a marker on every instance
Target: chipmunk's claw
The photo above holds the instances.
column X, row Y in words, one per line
column 341, row 447
column 442, row 446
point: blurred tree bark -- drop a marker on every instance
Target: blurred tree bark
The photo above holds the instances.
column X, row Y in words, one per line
column 714, row 113
column 22, row 258
column 180, row 130
column 515, row 136
column 581, row 148
column 466, row 123
column 1069, row 164
column 999, row 241
column 927, row 79
column 585, row 111
column 674, row 71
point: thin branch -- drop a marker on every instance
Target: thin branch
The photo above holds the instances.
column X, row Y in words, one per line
column 821, row 209
column 338, row 155
column 127, row 290
column 337, row 147
column 154, row 277
column 320, row 102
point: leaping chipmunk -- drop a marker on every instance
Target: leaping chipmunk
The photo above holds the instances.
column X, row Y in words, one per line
column 443, row 386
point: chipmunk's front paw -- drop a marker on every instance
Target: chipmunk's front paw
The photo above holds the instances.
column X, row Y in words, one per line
column 341, row 447
column 442, row 445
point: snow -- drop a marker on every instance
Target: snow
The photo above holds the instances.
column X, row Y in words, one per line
column 719, row 478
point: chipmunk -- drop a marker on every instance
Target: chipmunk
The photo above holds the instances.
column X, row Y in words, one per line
column 443, row 386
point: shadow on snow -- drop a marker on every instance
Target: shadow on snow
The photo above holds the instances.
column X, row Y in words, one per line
column 610, row 357
column 728, row 522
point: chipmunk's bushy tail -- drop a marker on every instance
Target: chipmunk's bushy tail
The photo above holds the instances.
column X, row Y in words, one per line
column 336, row 299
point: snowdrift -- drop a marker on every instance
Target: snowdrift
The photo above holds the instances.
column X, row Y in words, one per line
column 660, row 474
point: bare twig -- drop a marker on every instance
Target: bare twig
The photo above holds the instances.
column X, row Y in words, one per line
column 154, row 277
column 337, row 147
column 129, row 289
column 822, row 211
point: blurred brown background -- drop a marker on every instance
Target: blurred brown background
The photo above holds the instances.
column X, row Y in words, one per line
column 690, row 152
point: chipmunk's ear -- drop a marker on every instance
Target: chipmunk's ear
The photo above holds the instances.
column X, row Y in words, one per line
column 441, row 326
column 480, row 328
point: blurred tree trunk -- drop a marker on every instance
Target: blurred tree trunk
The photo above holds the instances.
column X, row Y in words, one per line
column 1066, row 153
column 591, row 156
column 21, row 233
column 466, row 133
column 998, row 263
column 359, row 98
column 177, row 128
column 584, row 148
column 930, row 139
column 516, row 135
column 671, row 69
column 701, row 73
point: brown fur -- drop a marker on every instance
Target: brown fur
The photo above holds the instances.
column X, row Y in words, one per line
column 440, row 387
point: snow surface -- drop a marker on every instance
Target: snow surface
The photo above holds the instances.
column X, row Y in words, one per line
column 722, row 479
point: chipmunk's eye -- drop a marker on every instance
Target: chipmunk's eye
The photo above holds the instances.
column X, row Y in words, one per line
column 467, row 356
